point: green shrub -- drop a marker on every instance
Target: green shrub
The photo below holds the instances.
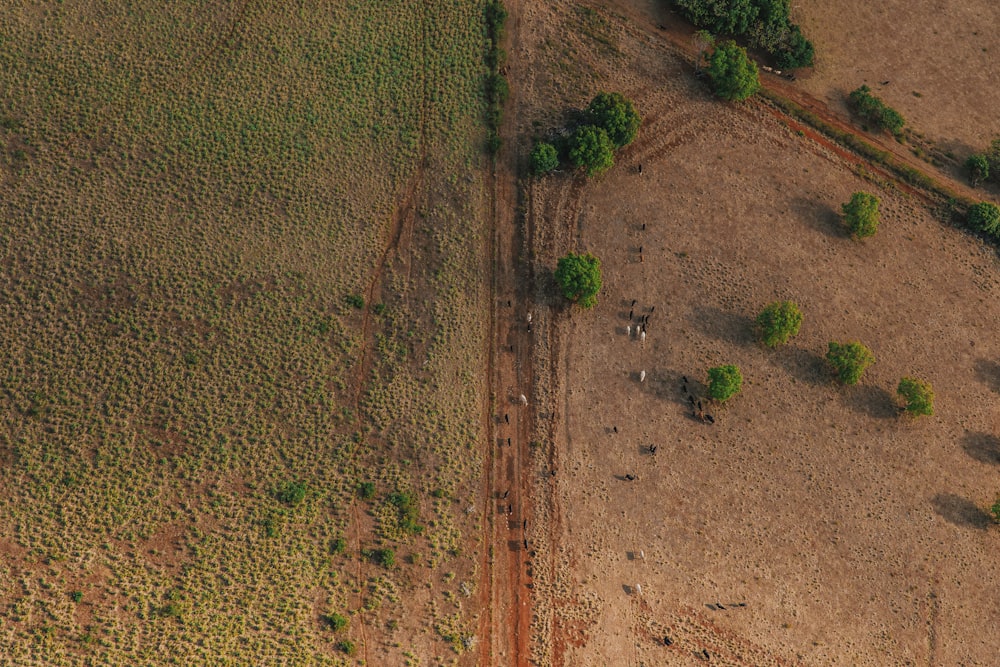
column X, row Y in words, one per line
column 734, row 76
column 590, row 147
column 336, row 622
column 978, row 168
column 76, row 596
column 873, row 110
column 408, row 511
column 347, row 646
column 497, row 89
column 984, row 217
column 861, row 214
column 795, row 50
column 355, row 300
column 493, row 142
column 579, row 278
column 995, row 510
column 378, row 308
column 849, row 360
column 778, row 322
column 366, row 490
column 918, row 394
column 338, row 546
column 616, row 115
column 724, row 382
column 544, row 158
column 291, row 493
column 384, row 557
column 496, row 16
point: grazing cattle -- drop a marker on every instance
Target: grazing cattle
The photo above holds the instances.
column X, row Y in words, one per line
column 630, row 477
column 642, row 336
column 614, row 428
column 523, row 399
column 524, row 526
column 506, row 419
column 506, row 493
column 719, row 605
column 638, row 589
column 690, row 399
column 710, row 419
column 642, row 374
column 630, row 314
column 628, row 330
column 684, row 379
column 652, row 449
column 651, row 309
column 529, row 317
column 884, row 83
column 633, row 303
column 526, row 545
column 510, row 509
column 508, row 442
column 699, row 406
column 705, row 653
column 644, row 226
column 667, row 641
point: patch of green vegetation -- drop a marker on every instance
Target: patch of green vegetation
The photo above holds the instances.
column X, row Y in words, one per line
column 875, row 111
column 199, row 189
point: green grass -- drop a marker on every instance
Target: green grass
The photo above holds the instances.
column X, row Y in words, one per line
column 188, row 192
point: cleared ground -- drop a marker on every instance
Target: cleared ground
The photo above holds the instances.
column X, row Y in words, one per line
column 852, row 536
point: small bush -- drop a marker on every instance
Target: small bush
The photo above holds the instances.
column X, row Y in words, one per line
column 409, row 511
column 384, row 557
column 724, row 382
column 779, row 322
column 347, row 646
column 291, row 493
column 338, row 546
column 355, row 300
column 978, row 168
column 995, row 511
column 849, row 360
column 76, row 596
column 861, row 214
column 493, row 142
column 873, row 110
column 919, row 396
column 497, row 89
column 544, row 158
column 984, row 217
column 366, row 490
column 336, row 622
column 378, row 308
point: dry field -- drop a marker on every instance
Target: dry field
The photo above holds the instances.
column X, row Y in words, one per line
column 850, row 535
column 238, row 249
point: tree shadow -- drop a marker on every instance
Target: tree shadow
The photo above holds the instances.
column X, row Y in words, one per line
column 875, row 402
column 988, row 372
column 960, row 511
column 723, row 325
column 984, row 447
column 820, row 216
column 804, row 365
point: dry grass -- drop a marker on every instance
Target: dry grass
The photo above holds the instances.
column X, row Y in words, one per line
column 189, row 193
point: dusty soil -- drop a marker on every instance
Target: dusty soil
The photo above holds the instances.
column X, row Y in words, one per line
column 831, row 530
column 935, row 62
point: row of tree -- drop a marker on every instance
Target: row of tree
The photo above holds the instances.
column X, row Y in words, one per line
column 765, row 24
column 610, row 122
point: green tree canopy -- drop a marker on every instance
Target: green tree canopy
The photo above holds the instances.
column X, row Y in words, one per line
column 984, row 217
column 849, row 360
column 579, row 278
column 779, row 322
column 918, row 394
column 734, row 76
column 861, row 214
column 617, row 116
column 544, row 158
column 724, row 382
column 591, row 148
column 978, row 167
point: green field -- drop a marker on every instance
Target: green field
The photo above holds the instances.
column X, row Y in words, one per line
column 190, row 193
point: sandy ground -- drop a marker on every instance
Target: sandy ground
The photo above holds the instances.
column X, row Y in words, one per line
column 851, row 535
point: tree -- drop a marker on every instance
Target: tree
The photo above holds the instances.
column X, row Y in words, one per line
column 849, row 360
column 734, row 76
column 579, row 277
column 918, row 394
column 978, row 166
column 984, row 217
column 591, row 148
column 779, row 322
column 795, row 50
column 724, row 382
column 861, row 214
column 544, row 158
column 616, row 115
